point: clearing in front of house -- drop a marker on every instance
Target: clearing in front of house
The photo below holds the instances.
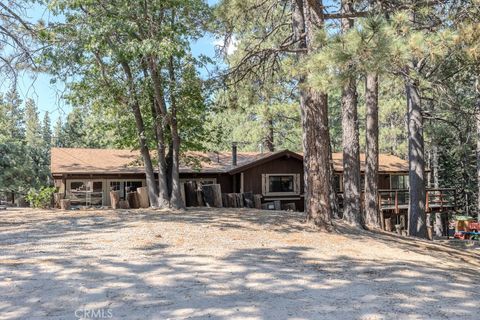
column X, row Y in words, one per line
column 223, row 263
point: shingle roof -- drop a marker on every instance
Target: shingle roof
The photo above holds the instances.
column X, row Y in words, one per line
column 386, row 163
column 79, row 160
column 115, row 161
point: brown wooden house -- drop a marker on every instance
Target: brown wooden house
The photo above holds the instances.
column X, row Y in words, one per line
column 87, row 175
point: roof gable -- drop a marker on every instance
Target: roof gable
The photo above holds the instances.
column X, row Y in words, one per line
column 266, row 157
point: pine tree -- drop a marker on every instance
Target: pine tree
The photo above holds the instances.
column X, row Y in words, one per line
column 47, row 131
column 15, row 169
column 35, row 146
column 57, row 138
column 350, row 134
column 46, row 146
column 15, row 125
column 33, row 129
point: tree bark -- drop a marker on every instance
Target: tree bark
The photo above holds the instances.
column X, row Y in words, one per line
column 169, row 163
column 335, row 206
column 176, row 197
column 371, row 152
column 416, row 157
column 350, row 139
column 142, row 138
column 159, row 111
column 438, row 227
column 478, row 147
column 163, row 197
column 314, row 112
column 316, row 158
column 269, row 141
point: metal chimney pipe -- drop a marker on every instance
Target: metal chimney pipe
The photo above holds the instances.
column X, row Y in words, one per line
column 234, row 153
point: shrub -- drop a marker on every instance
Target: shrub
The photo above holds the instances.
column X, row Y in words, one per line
column 41, row 198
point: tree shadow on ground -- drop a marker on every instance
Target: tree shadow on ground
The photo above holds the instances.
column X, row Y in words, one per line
column 157, row 281
column 421, row 246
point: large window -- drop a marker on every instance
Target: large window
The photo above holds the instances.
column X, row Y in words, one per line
column 78, row 186
column 131, row 186
column 86, row 193
column 123, row 187
column 199, row 181
column 281, row 184
column 398, row 182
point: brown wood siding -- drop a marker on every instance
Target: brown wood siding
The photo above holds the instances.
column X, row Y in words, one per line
column 252, row 181
column 253, row 176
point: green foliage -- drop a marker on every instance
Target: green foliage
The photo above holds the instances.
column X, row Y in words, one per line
column 257, row 102
column 250, row 112
column 24, row 154
column 90, row 52
column 41, row 198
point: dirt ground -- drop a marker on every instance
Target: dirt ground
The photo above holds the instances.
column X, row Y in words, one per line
column 223, row 264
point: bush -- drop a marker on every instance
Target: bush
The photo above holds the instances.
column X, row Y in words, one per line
column 41, row 198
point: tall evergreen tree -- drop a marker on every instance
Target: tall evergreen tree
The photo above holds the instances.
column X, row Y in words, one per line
column 350, row 133
column 47, row 131
column 58, row 133
column 34, row 143
column 15, row 169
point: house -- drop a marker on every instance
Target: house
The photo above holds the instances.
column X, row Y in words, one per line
column 87, row 175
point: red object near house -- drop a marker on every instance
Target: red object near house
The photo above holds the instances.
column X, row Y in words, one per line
column 472, row 230
column 474, row 226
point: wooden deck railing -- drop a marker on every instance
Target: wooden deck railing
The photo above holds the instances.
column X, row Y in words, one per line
column 395, row 200
column 436, row 199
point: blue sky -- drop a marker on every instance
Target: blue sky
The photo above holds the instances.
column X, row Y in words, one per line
column 48, row 96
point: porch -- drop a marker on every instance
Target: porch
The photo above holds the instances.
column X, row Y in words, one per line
column 394, row 204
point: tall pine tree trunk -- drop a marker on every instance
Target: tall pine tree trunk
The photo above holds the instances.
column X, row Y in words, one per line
column 438, row 226
column 478, row 147
column 269, row 141
column 163, row 197
column 335, row 206
column 350, row 139
column 160, row 115
column 417, row 226
column 176, row 198
column 371, row 159
column 142, row 138
column 316, row 158
column 314, row 112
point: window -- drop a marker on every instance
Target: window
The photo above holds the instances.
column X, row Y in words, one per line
column 124, row 186
column 96, row 196
column 205, row 182
column 97, row 186
column 85, row 193
column 78, row 186
column 115, row 186
column 199, row 181
column 281, row 184
column 131, row 186
column 398, row 182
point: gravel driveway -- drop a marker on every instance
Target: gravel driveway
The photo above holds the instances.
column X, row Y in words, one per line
column 222, row 264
